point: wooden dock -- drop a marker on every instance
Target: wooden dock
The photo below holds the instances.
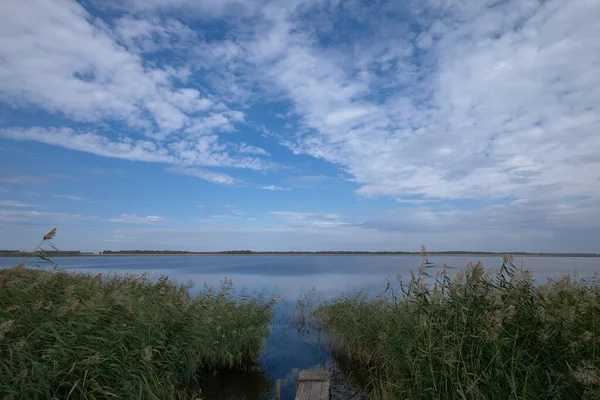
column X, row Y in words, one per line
column 313, row 385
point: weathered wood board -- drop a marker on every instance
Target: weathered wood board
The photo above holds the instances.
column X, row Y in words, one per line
column 313, row 385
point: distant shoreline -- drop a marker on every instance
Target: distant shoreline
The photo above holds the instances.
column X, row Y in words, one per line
column 255, row 254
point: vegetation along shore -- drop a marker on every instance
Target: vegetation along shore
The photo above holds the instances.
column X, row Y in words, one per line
column 473, row 334
column 478, row 335
column 73, row 335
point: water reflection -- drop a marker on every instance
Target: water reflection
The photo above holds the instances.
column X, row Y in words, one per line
column 254, row 384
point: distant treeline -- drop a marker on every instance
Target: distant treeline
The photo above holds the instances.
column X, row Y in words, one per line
column 452, row 252
column 176, row 252
column 17, row 253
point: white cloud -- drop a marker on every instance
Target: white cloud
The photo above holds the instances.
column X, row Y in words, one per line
column 515, row 224
column 128, row 149
column 344, row 116
column 221, row 234
column 218, row 236
column 273, row 188
column 69, row 197
column 195, row 9
column 20, row 179
column 153, row 34
column 13, row 203
column 233, row 209
column 293, row 216
column 246, row 148
column 136, row 219
column 416, row 201
column 489, row 110
column 15, row 216
column 58, row 57
column 85, row 73
column 492, row 101
column 221, row 216
column 214, row 177
column 204, row 151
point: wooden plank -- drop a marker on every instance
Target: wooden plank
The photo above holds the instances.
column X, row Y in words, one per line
column 313, row 385
column 325, row 391
column 315, row 390
column 303, row 391
column 313, row 375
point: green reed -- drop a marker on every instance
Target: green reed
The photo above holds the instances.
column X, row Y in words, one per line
column 478, row 335
column 78, row 336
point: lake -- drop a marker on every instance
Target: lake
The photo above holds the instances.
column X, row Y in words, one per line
column 285, row 354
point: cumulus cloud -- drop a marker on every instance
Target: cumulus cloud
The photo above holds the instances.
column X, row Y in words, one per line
column 481, row 102
column 95, row 72
column 487, row 108
column 85, row 74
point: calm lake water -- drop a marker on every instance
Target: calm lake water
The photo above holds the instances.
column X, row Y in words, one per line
column 285, row 354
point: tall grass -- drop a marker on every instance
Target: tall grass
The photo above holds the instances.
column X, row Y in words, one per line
column 477, row 335
column 78, row 336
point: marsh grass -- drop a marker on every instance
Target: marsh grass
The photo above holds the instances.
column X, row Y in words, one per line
column 81, row 336
column 478, row 335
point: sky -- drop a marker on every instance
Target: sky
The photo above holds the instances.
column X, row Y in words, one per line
column 300, row 124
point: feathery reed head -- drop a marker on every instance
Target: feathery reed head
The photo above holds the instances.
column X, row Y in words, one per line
column 50, row 235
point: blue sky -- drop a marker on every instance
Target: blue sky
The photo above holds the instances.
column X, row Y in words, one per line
column 300, row 124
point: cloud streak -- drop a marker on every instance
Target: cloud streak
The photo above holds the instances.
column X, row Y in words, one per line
column 136, row 219
column 69, row 197
column 13, row 203
column 293, row 216
column 19, row 179
column 209, row 176
column 19, row 215
column 273, row 188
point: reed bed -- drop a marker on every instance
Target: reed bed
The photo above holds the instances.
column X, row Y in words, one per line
column 475, row 335
column 80, row 336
